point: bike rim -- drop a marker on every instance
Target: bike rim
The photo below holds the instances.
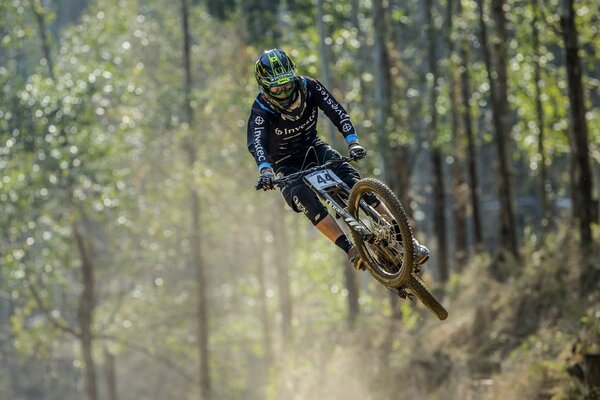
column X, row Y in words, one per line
column 385, row 253
column 389, row 268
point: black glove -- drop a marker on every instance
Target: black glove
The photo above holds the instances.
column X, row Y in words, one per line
column 356, row 151
column 265, row 181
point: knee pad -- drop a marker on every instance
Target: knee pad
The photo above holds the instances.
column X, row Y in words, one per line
column 301, row 199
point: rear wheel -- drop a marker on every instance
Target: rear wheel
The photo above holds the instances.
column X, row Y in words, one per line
column 389, row 253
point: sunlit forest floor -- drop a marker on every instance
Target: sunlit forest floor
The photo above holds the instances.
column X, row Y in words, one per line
column 512, row 334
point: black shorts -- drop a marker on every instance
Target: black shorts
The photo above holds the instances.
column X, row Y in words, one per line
column 298, row 195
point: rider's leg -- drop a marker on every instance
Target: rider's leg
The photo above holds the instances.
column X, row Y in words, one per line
column 304, row 200
column 328, row 227
column 332, row 231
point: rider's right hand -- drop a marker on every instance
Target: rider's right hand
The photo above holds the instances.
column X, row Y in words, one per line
column 265, row 181
column 356, row 151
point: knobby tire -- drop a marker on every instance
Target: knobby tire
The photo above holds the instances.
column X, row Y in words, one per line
column 415, row 285
column 386, row 196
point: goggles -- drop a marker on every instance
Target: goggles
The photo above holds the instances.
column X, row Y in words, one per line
column 282, row 91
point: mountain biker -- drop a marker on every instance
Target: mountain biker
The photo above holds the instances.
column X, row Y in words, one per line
column 282, row 137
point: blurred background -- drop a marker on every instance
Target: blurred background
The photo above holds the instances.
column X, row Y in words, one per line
column 138, row 262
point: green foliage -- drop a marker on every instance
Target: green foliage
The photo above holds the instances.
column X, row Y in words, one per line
column 102, row 146
column 219, row 8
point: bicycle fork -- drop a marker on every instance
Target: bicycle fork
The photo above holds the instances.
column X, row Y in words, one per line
column 352, row 222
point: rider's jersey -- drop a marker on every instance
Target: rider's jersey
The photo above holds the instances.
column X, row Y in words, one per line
column 274, row 137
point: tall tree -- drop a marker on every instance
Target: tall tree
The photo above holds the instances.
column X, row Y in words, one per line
column 262, row 25
column 362, row 60
column 439, row 196
column 324, row 50
column 465, row 96
column 537, row 76
column 383, row 100
column 578, row 130
column 383, row 86
column 351, row 280
column 501, row 117
column 282, row 265
column 111, row 374
column 264, row 311
column 87, row 301
column 195, row 230
column 460, row 190
column 87, row 306
column 400, row 168
column 40, row 18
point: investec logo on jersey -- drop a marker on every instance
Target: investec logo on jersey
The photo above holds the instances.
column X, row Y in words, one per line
column 258, row 132
column 334, row 106
column 306, row 125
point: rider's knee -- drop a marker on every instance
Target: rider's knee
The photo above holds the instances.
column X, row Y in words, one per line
column 302, row 199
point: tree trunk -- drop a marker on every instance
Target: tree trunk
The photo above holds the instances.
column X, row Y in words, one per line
column 283, row 279
column 325, row 61
column 578, row 130
column 196, row 234
column 87, row 304
column 543, row 174
column 351, row 278
column 399, row 180
column 111, row 376
column 592, row 374
column 8, row 352
column 400, row 154
column 265, row 320
column 40, row 19
column 439, row 219
column 382, row 85
column 383, row 100
column 501, row 120
column 363, row 52
column 465, row 92
column 459, row 185
column 507, row 218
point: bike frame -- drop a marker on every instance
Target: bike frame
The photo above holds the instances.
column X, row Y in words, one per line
column 329, row 188
column 332, row 187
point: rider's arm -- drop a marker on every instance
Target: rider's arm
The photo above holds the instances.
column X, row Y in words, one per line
column 258, row 136
column 334, row 110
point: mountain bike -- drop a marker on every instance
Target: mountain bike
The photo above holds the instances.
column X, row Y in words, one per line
column 382, row 234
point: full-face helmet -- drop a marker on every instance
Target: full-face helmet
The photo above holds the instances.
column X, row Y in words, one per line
column 277, row 79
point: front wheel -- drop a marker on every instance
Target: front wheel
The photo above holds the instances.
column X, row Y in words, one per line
column 389, row 251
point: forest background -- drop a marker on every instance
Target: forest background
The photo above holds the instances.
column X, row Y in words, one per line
column 138, row 262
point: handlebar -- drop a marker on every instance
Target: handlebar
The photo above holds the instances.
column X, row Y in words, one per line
column 286, row 180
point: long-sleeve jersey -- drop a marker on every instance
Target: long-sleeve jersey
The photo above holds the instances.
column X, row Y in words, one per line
column 272, row 137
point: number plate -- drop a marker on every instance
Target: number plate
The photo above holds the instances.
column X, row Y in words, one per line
column 323, row 180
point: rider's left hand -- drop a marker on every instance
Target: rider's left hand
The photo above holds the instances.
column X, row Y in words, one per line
column 265, row 181
column 356, row 151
